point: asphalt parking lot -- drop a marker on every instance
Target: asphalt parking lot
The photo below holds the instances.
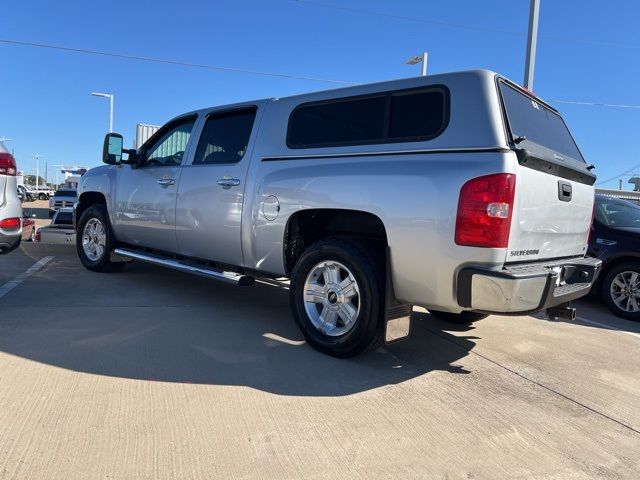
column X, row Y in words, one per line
column 150, row 373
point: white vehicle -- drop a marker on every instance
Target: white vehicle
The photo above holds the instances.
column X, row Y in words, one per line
column 10, row 207
column 42, row 192
column 60, row 230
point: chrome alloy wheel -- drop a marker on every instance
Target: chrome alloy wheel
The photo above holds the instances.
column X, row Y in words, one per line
column 94, row 239
column 331, row 298
column 625, row 291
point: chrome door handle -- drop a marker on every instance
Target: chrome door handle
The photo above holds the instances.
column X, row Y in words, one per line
column 165, row 182
column 228, row 182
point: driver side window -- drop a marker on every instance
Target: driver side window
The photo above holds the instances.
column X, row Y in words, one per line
column 170, row 147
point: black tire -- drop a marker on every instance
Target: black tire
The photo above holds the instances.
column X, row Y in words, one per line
column 103, row 263
column 42, row 196
column 607, row 285
column 366, row 264
column 462, row 318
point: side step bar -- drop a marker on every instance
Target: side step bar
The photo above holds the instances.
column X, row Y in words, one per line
column 227, row 277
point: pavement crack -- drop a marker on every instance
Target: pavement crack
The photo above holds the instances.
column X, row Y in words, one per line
column 524, row 377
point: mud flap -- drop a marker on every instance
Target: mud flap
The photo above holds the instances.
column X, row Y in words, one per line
column 397, row 315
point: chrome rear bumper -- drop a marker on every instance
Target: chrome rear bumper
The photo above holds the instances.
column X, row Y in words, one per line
column 526, row 288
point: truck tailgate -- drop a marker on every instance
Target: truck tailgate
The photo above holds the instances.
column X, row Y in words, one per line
column 554, row 194
column 543, row 226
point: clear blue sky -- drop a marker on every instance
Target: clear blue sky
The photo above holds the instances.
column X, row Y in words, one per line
column 588, row 51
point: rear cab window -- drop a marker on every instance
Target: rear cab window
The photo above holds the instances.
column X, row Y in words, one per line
column 533, row 124
column 411, row 115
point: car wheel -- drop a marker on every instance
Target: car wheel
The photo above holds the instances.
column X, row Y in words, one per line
column 42, row 196
column 95, row 241
column 621, row 290
column 462, row 318
column 32, row 237
column 337, row 297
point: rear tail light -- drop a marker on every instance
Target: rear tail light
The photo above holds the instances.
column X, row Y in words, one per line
column 13, row 223
column 38, row 236
column 7, row 164
column 484, row 211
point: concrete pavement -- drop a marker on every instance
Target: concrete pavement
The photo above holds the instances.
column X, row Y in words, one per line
column 150, row 373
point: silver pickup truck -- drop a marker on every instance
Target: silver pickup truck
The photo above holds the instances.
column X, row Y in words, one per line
column 462, row 193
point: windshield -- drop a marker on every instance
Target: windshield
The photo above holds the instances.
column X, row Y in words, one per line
column 65, row 193
column 537, row 123
column 617, row 213
column 64, row 218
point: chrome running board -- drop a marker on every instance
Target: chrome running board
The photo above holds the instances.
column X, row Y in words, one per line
column 227, row 277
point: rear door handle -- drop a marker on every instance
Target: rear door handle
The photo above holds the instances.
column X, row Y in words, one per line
column 228, row 182
column 165, row 182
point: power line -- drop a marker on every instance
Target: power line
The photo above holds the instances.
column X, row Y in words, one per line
column 592, row 104
column 172, row 62
column 557, row 38
column 404, row 17
column 242, row 70
column 626, row 172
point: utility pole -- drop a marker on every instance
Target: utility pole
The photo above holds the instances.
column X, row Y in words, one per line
column 532, row 41
column 620, row 184
column 37, row 156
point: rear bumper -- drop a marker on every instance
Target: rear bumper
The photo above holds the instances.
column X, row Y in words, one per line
column 526, row 288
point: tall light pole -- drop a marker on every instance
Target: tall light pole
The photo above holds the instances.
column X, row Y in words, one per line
column 37, row 156
column 110, row 97
column 58, row 167
column 419, row 59
column 532, row 41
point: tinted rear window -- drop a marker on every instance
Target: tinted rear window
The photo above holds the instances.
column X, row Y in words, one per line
column 537, row 123
column 403, row 116
column 225, row 137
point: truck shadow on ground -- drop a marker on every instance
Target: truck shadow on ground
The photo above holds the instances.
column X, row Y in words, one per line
column 148, row 323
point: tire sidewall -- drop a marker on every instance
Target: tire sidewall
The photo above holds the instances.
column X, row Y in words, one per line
column 606, row 290
column 100, row 213
column 369, row 319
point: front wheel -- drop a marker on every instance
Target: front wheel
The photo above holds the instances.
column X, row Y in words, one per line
column 42, row 196
column 337, row 297
column 462, row 318
column 621, row 290
column 95, row 241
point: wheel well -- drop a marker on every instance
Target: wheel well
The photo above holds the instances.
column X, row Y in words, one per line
column 308, row 226
column 86, row 200
column 613, row 264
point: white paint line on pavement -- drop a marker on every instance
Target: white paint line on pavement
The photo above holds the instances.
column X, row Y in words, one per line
column 11, row 284
column 608, row 327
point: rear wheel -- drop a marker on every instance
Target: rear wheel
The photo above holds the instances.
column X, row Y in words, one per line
column 462, row 318
column 42, row 196
column 621, row 290
column 337, row 297
column 95, row 241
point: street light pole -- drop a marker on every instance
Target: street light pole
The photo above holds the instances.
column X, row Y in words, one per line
column 110, row 97
column 420, row 59
column 37, row 156
column 532, row 41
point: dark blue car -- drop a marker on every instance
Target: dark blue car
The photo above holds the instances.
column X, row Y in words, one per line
column 615, row 239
